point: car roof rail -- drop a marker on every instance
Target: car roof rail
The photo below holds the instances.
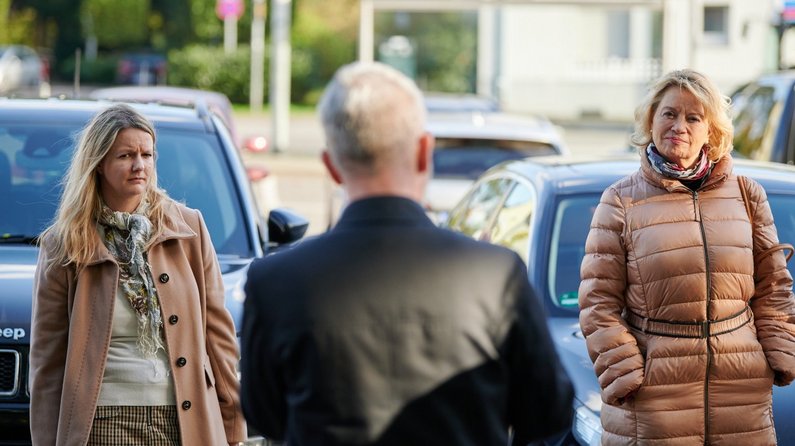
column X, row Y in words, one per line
column 203, row 112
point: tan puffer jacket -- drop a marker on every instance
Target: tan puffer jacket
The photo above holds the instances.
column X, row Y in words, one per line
column 664, row 252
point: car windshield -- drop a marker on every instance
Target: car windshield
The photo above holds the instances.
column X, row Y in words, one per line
column 468, row 158
column 572, row 223
column 191, row 167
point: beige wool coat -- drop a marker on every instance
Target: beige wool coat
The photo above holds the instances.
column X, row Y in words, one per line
column 660, row 250
column 71, row 330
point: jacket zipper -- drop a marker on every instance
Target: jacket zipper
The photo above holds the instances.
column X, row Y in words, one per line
column 697, row 206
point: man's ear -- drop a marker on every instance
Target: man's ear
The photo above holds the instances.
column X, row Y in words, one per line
column 330, row 167
column 425, row 152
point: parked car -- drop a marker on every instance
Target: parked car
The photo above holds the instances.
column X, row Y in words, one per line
column 469, row 143
column 21, row 66
column 197, row 163
column 764, row 114
column 142, row 69
column 216, row 102
column 459, row 103
column 542, row 210
column 161, row 94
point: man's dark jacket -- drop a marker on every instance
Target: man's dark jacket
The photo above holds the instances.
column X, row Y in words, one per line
column 390, row 331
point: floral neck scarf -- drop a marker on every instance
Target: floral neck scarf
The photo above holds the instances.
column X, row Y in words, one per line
column 125, row 235
column 672, row 170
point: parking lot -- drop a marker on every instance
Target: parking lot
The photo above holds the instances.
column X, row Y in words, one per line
column 298, row 180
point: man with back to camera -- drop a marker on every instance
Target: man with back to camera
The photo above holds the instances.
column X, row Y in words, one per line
column 388, row 330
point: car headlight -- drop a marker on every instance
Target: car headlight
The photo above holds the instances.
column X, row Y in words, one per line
column 238, row 291
column 587, row 427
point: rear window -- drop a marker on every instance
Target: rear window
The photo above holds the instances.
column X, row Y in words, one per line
column 191, row 167
column 468, row 158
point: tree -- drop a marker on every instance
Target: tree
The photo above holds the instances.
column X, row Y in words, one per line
column 58, row 24
column 111, row 32
column 17, row 26
column 323, row 39
column 445, row 46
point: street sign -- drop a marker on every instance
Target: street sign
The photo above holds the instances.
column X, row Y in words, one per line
column 229, row 8
column 788, row 13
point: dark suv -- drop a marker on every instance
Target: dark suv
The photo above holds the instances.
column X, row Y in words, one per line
column 197, row 163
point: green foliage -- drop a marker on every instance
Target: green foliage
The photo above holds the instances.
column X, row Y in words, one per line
column 16, row 26
column 209, row 29
column 101, row 70
column 209, row 68
column 170, row 24
column 116, row 24
column 323, row 39
column 445, row 47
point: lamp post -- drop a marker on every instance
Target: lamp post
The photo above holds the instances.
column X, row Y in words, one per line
column 280, row 73
column 256, row 88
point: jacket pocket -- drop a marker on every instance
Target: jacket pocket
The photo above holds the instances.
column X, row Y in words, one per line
column 208, row 375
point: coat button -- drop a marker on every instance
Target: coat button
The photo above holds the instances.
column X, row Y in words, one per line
column 181, row 362
column 186, row 404
column 173, row 319
column 163, row 278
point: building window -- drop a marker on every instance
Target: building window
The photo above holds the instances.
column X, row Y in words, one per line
column 618, row 34
column 716, row 25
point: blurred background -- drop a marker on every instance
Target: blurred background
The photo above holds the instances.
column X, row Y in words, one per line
column 582, row 64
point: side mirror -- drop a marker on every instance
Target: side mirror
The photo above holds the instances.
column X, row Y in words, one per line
column 285, row 227
column 256, row 144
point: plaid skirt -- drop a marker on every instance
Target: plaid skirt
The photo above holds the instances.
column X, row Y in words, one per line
column 135, row 425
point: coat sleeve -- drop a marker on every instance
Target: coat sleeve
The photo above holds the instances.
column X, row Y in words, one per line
column 48, row 347
column 773, row 303
column 263, row 393
column 618, row 362
column 221, row 342
column 540, row 394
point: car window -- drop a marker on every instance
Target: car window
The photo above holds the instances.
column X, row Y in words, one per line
column 468, row 158
column 572, row 223
column 511, row 227
column 473, row 216
column 571, row 226
column 783, row 208
column 191, row 167
column 754, row 123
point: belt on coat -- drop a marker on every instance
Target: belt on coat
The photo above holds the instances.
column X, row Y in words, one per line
column 685, row 329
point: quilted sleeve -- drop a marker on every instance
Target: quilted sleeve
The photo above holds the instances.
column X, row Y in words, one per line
column 618, row 362
column 773, row 303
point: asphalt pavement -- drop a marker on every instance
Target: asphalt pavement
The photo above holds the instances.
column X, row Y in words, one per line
column 298, row 180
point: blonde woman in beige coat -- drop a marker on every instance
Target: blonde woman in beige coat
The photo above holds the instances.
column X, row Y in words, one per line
column 686, row 302
column 131, row 342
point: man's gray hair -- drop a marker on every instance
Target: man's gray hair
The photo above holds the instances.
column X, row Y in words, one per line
column 371, row 114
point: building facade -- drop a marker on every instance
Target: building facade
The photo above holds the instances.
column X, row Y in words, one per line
column 583, row 59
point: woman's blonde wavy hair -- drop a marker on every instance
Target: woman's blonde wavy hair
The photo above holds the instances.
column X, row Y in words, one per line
column 716, row 109
column 73, row 232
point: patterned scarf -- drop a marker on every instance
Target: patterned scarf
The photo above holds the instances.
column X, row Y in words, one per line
column 125, row 235
column 668, row 169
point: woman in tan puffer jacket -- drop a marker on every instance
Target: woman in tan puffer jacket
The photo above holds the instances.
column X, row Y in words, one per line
column 687, row 306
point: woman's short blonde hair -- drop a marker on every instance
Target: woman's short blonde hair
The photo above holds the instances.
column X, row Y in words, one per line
column 716, row 108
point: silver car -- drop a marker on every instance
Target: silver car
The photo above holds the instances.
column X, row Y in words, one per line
column 20, row 66
column 469, row 144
